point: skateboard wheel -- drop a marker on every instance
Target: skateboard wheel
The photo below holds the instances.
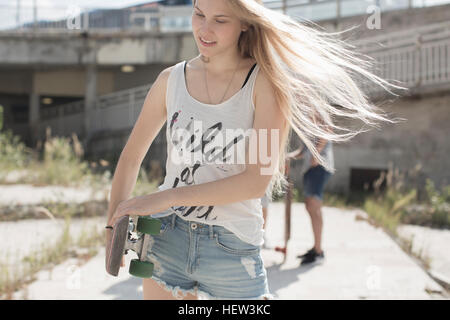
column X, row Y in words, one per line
column 148, row 225
column 141, row 269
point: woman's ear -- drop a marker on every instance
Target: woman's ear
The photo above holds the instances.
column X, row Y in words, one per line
column 244, row 27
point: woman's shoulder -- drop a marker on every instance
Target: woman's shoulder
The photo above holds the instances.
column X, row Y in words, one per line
column 164, row 75
column 167, row 71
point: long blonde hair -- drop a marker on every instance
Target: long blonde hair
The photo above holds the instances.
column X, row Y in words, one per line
column 313, row 74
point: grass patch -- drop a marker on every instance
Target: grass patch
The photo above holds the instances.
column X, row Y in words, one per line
column 400, row 204
column 13, row 154
column 60, row 161
column 48, row 256
column 45, row 210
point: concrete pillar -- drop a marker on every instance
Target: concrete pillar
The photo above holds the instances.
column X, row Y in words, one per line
column 89, row 101
column 34, row 118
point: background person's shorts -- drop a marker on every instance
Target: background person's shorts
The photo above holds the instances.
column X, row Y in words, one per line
column 211, row 261
column 314, row 181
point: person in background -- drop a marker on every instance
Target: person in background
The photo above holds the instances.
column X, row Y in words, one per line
column 315, row 176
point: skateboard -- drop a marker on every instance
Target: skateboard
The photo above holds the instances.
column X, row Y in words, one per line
column 128, row 235
column 287, row 213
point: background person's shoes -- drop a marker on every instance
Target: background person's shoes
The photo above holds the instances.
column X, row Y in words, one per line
column 313, row 258
column 309, row 252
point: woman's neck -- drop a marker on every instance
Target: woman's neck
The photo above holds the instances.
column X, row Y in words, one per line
column 221, row 64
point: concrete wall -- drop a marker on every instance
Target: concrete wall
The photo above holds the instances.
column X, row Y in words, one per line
column 74, row 49
column 142, row 75
column 67, row 81
column 421, row 139
column 70, row 82
column 15, row 80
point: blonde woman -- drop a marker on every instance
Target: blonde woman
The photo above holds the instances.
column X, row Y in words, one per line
column 258, row 75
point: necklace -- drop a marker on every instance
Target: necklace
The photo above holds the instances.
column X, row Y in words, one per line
column 206, row 82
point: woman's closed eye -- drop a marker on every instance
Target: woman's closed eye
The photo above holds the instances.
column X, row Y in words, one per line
column 200, row 15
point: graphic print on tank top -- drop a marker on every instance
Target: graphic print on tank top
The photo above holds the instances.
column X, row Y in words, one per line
column 203, row 141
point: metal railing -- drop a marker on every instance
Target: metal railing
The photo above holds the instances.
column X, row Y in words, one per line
column 418, row 58
column 159, row 18
column 113, row 111
column 336, row 9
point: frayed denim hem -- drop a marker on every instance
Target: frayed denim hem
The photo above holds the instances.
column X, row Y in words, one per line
column 202, row 295
column 175, row 290
column 179, row 293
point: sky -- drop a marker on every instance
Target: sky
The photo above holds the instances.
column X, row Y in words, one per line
column 125, row 3
column 80, row 3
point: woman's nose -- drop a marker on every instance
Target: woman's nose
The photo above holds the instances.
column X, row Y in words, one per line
column 206, row 27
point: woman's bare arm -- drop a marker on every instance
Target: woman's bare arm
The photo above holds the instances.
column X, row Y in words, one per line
column 149, row 123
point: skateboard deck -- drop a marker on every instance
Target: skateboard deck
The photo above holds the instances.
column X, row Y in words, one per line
column 131, row 234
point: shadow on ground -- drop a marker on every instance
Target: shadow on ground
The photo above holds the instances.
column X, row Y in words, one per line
column 279, row 279
column 129, row 289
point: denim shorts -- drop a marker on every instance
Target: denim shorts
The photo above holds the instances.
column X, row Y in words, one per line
column 206, row 260
column 314, row 181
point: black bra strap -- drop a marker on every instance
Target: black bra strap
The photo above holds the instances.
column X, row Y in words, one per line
column 248, row 76
column 246, row 79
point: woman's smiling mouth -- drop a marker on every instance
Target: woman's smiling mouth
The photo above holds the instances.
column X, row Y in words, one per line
column 207, row 44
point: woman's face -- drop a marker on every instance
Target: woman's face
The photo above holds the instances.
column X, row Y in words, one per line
column 212, row 20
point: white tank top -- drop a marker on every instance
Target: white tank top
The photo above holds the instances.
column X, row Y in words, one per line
column 207, row 139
